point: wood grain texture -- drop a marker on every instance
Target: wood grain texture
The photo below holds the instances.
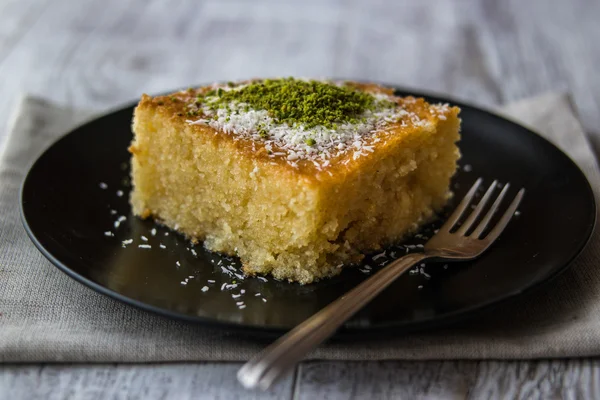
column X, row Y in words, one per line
column 132, row 382
column 98, row 54
column 574, row 379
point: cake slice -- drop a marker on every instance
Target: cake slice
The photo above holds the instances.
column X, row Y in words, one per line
column 295, row 177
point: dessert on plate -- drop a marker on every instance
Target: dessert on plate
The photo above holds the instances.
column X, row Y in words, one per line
column 295, row 177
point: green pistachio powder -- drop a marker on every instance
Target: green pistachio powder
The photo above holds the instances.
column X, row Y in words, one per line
column 297, row 102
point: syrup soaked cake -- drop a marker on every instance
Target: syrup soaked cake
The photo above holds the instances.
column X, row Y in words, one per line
column 295, row 177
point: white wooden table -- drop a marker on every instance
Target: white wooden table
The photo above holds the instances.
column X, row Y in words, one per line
column 97, row 54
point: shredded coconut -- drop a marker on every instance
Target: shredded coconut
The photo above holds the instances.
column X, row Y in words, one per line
column 317, row 144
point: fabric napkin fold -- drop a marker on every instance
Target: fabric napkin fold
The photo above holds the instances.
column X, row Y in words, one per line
column 46, row 316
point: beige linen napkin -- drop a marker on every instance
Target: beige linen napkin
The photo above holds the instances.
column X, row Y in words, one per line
column 46, row 316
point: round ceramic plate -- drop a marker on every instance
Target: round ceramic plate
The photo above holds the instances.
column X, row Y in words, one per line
column 75, row 209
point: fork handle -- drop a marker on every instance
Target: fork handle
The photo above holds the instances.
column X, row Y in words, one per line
column 279, row 357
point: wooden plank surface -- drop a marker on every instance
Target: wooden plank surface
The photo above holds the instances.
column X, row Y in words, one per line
column 574, row 379
column 98, row 54
column 175, row 381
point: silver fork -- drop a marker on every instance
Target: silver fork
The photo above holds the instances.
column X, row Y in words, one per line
column 465, row 243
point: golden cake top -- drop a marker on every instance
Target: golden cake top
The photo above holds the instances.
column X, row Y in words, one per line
column 298, row 120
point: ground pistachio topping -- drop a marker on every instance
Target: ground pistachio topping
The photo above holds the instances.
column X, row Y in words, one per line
column 299, row 119
column 293, row 101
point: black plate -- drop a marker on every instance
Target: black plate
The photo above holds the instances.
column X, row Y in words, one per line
column 66, row 213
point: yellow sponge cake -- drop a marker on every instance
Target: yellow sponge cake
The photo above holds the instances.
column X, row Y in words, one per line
column 295, row 177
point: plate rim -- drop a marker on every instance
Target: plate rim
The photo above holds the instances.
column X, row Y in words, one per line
column 345, row 331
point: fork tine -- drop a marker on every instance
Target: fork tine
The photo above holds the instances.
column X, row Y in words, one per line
column 464, row 203
column 490, row 214
column 494, row 233
column 475, row 214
